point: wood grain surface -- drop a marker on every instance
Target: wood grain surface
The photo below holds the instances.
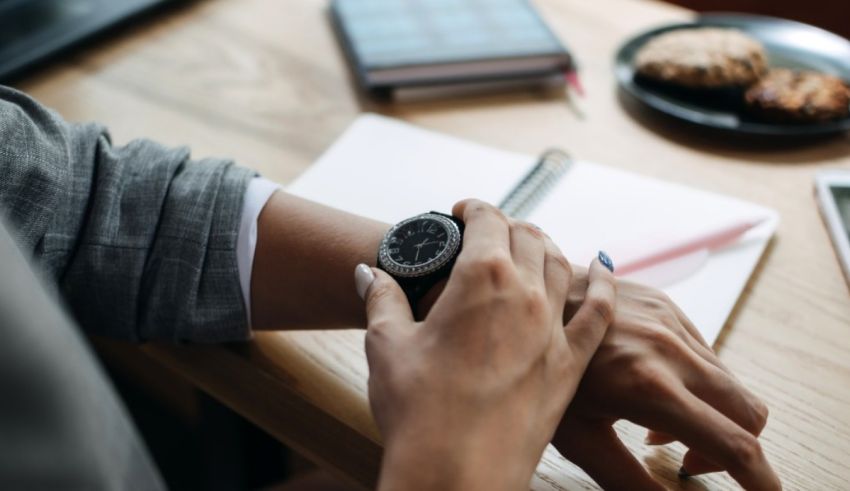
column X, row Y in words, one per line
column 265, row 82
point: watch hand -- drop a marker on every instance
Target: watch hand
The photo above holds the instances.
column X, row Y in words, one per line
column 419, row 248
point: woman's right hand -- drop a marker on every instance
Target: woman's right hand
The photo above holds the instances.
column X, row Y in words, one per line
column 469, row 397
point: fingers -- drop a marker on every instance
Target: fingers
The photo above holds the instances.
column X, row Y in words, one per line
column 713, row 386
column 527, row 251
column 485, row 229
column 720, row 440
column 728, row 396
column 600, row 453
column 693, row 338
column 694, row 464
column 690, row 327
column 387, row 307
column 490, row 234
column 709, row 379
column 658, row 438
column 557, row 276
column 387, row 311
column 590, row 323
column 720, row 390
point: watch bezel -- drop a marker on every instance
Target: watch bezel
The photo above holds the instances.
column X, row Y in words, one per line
column 448, row 253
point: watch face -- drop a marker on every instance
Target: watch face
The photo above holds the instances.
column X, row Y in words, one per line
column 419, row 245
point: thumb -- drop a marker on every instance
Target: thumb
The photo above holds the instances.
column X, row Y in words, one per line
column 590, row 323
column 386, row 304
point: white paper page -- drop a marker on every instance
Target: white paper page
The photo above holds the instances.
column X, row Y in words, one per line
column 630, row 216
column 710, row 293
column 388, row 170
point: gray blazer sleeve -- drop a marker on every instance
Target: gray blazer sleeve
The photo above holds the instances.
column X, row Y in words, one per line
column 140, row 239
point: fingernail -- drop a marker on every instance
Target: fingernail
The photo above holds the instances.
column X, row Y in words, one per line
column 363, row 277
column 683, row 474
column 606, row 261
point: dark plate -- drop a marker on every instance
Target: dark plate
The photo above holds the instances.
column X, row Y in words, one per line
column 789, row 44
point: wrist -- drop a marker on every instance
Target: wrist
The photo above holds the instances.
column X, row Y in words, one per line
column 576, row 292
column 435, row 460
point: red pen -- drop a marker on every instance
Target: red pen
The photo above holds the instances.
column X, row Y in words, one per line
column 711, row 241
column 571, row 76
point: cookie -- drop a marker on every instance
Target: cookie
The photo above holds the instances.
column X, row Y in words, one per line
column 702, row 58
column 785, row 95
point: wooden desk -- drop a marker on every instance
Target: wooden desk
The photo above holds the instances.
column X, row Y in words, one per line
column 264, row 81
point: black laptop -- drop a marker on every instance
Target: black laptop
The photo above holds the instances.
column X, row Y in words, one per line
column 33, row 30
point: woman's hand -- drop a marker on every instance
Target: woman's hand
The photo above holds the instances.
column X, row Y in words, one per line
column 654, row 369
column 469, row 397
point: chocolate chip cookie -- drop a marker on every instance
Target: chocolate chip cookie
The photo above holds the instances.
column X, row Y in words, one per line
column 702, row 58
column 785, row 95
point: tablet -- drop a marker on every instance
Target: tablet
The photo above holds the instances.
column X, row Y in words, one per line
column 833, row 194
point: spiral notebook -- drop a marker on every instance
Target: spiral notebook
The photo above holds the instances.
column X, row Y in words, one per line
column 389, row 170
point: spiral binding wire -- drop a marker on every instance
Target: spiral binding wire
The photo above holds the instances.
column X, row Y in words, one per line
column 553, row 164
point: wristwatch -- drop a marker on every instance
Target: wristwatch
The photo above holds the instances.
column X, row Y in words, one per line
column 420, row 251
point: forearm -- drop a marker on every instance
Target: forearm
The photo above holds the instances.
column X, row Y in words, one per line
column 304, row 261
column 306, row 253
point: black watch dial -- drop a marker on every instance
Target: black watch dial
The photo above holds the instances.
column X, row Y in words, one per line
column 419, row 245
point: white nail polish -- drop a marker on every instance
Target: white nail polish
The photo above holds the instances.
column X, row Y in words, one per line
column 363, row 277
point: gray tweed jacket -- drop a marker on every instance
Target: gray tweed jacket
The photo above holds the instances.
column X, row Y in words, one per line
column 139, row 243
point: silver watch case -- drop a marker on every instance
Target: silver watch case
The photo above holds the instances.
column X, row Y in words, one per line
column 425, row 269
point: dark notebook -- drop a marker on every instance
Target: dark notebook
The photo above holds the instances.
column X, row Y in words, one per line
column 403, row 44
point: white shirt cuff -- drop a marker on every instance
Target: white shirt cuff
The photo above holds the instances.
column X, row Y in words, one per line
column 256, row 196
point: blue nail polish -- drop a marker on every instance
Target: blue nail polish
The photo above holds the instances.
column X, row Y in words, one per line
column 606, row 261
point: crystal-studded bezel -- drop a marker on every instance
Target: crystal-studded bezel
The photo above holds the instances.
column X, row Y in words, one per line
column 424, row 269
